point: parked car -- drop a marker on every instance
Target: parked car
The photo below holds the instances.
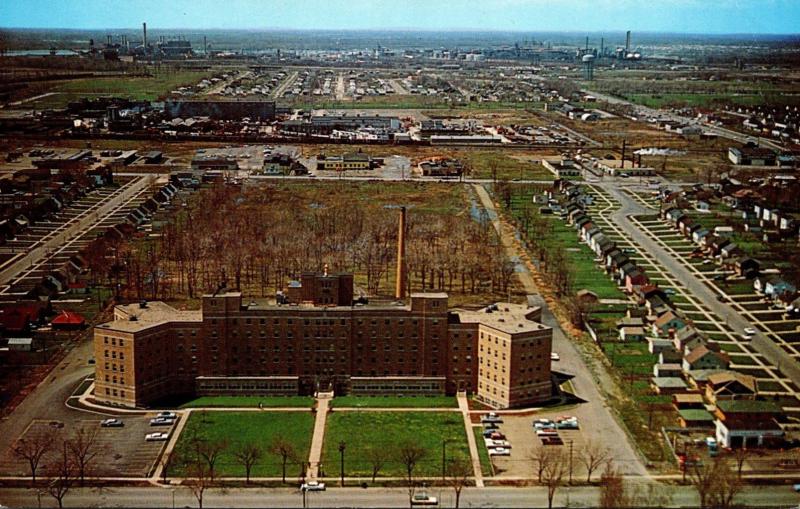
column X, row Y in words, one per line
column 161, row 421
column 750, row 331
column 556, row 440
column 491, row 417
column 488, row 432
column 543, row 424
column 496, row 435
column 554, row 356
column 312, row 486
column 500, row 451
column 493, row 444
column 112, row 423
column 567, row 424
column 167, row 415
column 424, row 499
column 490, row 425
column 156, row 437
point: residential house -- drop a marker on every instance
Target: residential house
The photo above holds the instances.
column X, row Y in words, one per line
column 702, row 357
column 670, row 356
column 743, row 423
column 776, row 287
column 667, row 370
column 668, row 385
column 634, row 279
column 746, row 267
column 731, row 385
column 668, row 324
column 630, row 333
column 688, row 401
column 687, row 338
column 657, row 345
column 695, row 418
column 699, row 235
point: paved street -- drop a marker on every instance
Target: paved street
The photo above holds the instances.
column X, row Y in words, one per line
column 680, row 496
column 691, row 282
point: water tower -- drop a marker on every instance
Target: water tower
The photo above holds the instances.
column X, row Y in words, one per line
column 588, row 67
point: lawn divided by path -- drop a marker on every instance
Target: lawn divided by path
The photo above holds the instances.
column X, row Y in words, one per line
column 239, row 428
column 249, row 401
column 363, row 431
column 394, row 402
column 483, row 453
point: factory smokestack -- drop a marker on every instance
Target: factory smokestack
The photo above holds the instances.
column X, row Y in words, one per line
column 144, row 35
column 628, row 42
column 205, row 46
column 602, row 46
column 623, row 154
column 400, row 280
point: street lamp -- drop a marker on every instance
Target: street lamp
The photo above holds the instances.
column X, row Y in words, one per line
column 444, row 457
column 342, row 447
column 570, row 461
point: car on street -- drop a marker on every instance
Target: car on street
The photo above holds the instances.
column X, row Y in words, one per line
column 554, row 356
column 500, row 451
column 167, row 415
column 750, row 331
column 161, row 421
column 156, row 437
column 112, row 423
column 424, row 499
column 312, row 486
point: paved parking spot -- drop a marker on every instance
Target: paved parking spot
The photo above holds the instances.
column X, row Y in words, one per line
column 122, row 452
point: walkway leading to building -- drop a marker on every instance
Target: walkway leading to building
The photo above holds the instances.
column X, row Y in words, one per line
column 315, row 454
column 463, row 405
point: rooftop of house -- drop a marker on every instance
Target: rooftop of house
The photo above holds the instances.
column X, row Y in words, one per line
column 749, row 406
column 695, row 414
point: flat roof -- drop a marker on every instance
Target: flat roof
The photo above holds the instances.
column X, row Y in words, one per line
column 507, row 317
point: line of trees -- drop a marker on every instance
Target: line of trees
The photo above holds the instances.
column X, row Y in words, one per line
column 63, row 460
column 255, row 239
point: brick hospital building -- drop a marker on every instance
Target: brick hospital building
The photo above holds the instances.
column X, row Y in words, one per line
column 318, row 338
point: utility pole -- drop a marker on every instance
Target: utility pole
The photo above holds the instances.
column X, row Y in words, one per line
column 570, row 461
column 444, row 457
column 342, row 447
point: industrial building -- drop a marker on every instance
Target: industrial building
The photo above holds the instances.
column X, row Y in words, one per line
column 317, row 337
column 221, row 110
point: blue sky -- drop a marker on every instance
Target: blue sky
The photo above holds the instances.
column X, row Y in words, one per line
column 689, row 16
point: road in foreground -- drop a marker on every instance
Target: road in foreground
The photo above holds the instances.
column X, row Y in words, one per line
column 679, row 496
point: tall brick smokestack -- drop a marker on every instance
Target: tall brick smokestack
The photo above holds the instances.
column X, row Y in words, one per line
column 144, row 35
column 400, row 280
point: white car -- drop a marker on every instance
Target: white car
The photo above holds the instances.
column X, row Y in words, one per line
column 424, row 499
column 500, row 451
column 156, row 437
column 161, row 421
column 554, row 356
column 312, row 486
column 495, row 444
column 167, row 415
column 112, row 423
column 750, row 331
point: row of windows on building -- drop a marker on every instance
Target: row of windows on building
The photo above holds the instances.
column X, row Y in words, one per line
column 114, row 341
column 322, row 321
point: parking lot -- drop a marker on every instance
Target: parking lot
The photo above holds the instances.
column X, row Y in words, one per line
column 122, row 451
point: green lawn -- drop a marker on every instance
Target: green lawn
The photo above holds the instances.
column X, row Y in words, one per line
column 145, row 88
column 250, row 401
column 483, row 453
column 394, row 402
column 261, row 428
column 363, row 432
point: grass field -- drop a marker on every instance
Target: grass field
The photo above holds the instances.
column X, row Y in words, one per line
column 362, row 432
column 144, row 88
column 483, row 453
column 250, row 401
column 260, row 428
column 394, row 402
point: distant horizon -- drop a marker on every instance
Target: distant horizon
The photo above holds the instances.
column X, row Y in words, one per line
column 690, row 17
column 412, row 30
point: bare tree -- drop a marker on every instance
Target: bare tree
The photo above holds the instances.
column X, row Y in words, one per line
column 61, row 471
column 168, row 462
column 740, row 455
column 84, row 449
column 247, row 456
column 459, row 471
column 555, row 468
column 612, row 489
column 539, row 457
column 593, row 456
column 209, row 450
column 377, row 457
column 199, row 477
column 32, row 450
column 284, row 449
column 410, row 453
column 725, row 485
column 701, row 475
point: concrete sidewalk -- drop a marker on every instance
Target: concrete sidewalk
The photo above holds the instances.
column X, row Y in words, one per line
column 463, row 405
column 317, row 440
